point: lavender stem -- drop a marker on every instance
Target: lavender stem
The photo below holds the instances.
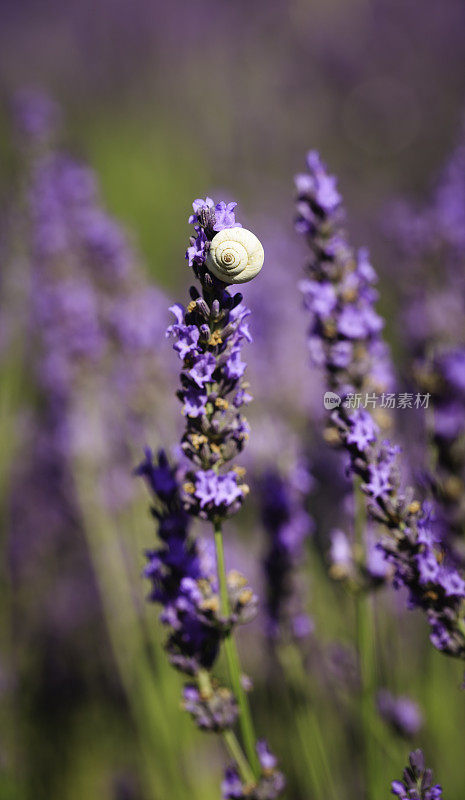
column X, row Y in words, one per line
column 230, row 738
column 365, row 649
column 236, row 753
column 232, row 657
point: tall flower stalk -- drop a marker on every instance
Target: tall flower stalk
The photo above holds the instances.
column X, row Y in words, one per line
column 412, row 547
column 417, row 781
column 203, row 609
column 344, row 339
column 344, row 336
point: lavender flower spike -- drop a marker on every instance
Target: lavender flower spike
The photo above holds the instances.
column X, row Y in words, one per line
column 411, row 546
column 176, row 569
column 201, row 608
column 181, row 574
column 339, row 294
column 417, row 783
column 340, row 298
column 345, row 333
column 209, row 335
column 401, row 713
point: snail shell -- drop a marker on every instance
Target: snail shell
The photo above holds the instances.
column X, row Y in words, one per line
column 235, row 255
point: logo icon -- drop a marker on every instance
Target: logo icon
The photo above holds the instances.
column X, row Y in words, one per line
column 331, row 400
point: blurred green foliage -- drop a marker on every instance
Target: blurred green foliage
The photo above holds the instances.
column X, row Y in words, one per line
column 149, row 171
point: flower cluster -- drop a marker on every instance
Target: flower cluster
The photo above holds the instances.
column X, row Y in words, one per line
column 287, row 525
column 181, row 573
column 209, row 335
column 215, row 710
column 207, row 220
column 412, row 548
column 269, row 786
column 417, row 783
column 345, row 334
column 174, row 568
column 339, row 294
column 411, row 545
column 401, row 713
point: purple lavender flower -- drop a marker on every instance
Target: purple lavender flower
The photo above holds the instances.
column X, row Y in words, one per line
column 231, row 786
column 203, row 369
column 344, row 339
column 209, row 219
column 209, row 335
column 344, row 332
column 215, row 492
column 181, row 575
column 417, row 783
column 268, row 761
column 362, row 431
column 400, row 713
column 214, row 712
column 410, row 546
column 224, row 216
column 269, row 787
column 438, row 591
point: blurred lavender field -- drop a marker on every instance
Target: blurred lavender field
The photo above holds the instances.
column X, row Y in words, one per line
column 114, row 118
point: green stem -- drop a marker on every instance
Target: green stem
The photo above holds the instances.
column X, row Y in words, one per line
column 238, row 756
column 461, row 626
column 365, row 649
column 232, row 657
column 364, row 623
column 230, row 738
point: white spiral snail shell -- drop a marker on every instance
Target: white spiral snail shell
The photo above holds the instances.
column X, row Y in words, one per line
column 235, row 255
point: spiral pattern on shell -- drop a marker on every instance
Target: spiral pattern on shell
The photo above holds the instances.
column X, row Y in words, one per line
column 235, row 255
